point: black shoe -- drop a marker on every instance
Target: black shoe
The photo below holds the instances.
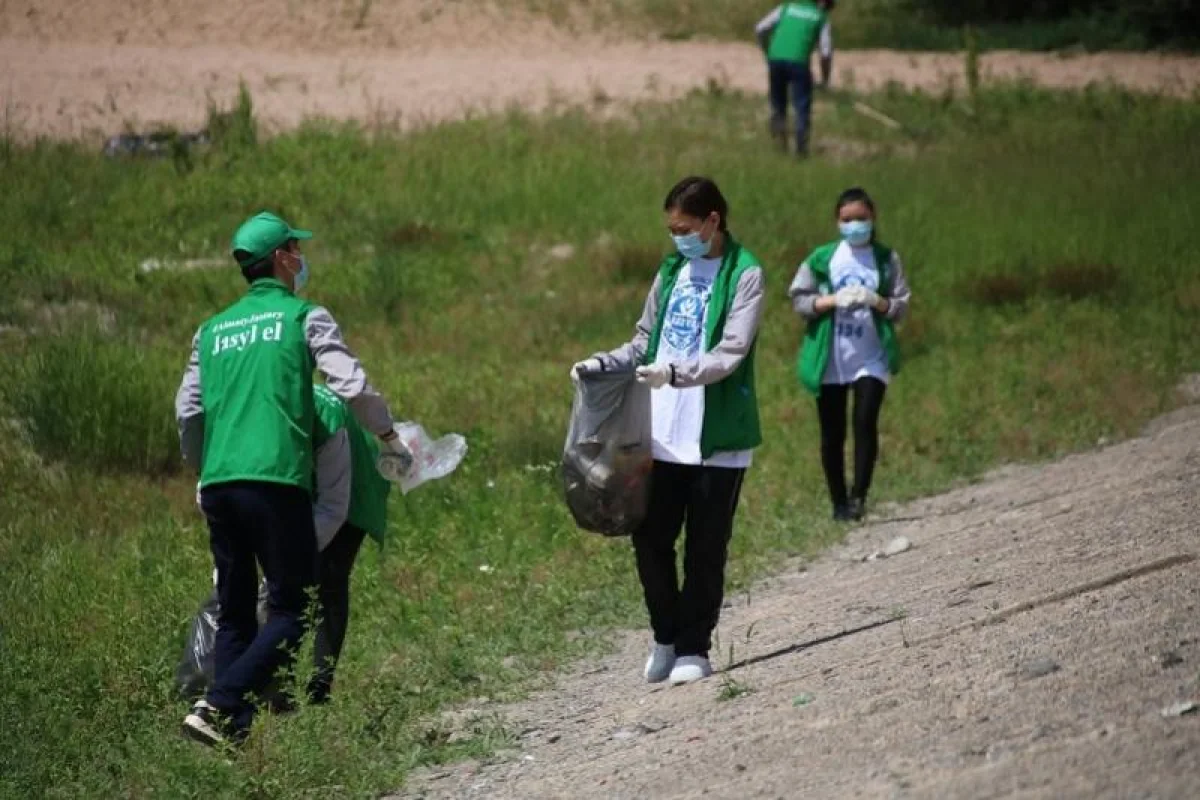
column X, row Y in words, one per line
column 858, row 508
column 842, row 514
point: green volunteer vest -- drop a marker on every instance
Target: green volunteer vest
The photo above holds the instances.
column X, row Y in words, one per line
column 797, row 32
column 256, row 389
column 818, row 333
column 368, row 489
column 731, row 420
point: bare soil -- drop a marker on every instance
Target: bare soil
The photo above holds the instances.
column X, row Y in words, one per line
column 1027, row 645
column 74, row 68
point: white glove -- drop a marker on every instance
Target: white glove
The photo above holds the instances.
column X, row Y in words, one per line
column 847, row 297
column 585, row 366
column 867, row 298
column 397, row 459
column 198, row 503
column 655, row 375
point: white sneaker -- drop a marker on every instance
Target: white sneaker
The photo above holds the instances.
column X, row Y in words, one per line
column 688, row 669
column 660, row 662
column 201, row 724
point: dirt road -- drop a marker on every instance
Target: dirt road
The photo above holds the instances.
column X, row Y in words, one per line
column 75, row 69
column 1026, row 646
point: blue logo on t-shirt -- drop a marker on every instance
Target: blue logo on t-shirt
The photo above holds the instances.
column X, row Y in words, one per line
column 685, row 317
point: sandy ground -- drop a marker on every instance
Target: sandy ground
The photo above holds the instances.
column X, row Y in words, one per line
column 1026, row 646
column 74, row 68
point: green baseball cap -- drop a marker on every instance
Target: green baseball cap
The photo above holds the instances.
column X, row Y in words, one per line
column 262, row 235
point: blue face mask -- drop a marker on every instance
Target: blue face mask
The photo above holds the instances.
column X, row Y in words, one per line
column 857, row 232
column 302, row 275
column 691, row 245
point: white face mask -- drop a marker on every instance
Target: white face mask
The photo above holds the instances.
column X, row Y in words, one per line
column 691, row 245
column 857, row 232
column 302, row 275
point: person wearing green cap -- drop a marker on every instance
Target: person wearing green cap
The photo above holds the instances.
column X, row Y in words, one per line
column 246, row 419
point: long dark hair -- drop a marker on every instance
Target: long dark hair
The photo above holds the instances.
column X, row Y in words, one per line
column 698, row 197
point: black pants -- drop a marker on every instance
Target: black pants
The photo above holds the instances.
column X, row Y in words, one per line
column 271, row 524
column 831, row 410
column 336, row 563
column 702, row 500
column 783, row 76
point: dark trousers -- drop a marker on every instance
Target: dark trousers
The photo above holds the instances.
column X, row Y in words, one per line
column 257, row 524
column 782, row 76
column 831, row 410
column 336, row 563
column 701, row 500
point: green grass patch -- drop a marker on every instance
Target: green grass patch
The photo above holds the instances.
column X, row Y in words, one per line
column 439, row 252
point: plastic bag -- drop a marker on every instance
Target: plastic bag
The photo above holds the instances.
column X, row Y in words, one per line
column 194, row 673
column 430, row 459
column 607, row 458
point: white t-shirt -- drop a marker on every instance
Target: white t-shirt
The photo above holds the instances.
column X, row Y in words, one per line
column 678, row 414
column 857, row 351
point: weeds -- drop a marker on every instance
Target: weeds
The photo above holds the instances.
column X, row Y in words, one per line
column 423, row 251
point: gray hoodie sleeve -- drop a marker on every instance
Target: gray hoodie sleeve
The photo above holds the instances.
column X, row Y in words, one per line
column 332, row 501
column 804, row 292
column 901, row 294
column 343, row 372
column 630, row 355
column 741, row 329
column 189, row 411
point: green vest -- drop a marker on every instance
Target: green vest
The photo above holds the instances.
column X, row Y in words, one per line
column 256, row 390
column 730, row 406
column 818, row 333
column 797, row 32
column 368, row 489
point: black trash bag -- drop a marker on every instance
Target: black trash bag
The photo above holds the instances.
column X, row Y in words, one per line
column 194, row 673
column 608, row 457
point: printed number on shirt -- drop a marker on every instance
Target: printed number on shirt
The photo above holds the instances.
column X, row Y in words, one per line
column 848, row 331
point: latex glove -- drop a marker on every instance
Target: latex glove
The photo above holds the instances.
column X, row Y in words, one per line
column 847, row 297
column 396, row 459
column 867, row 298
column 586, row 366
column 655, row 375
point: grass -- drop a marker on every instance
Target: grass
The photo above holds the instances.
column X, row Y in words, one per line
column 432, row 249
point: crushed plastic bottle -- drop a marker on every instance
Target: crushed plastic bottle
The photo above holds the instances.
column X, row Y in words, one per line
column 431, row 459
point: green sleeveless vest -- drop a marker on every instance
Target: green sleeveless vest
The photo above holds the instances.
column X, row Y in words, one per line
column 731, row 421
column 368, row 489
column 818, row 333
column 797, row 32
column 256, row 389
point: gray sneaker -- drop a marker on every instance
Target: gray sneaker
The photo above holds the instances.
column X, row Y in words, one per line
column 660, row 663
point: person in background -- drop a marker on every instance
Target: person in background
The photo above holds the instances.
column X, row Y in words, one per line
column 246, row 416
column 694, row 346
column 788, row 36
column 350, row 504
column 850, row 293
